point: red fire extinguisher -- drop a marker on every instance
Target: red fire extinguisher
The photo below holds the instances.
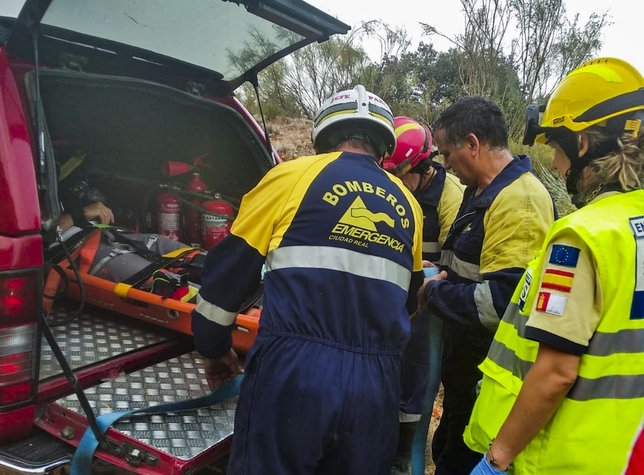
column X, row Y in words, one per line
column 168, row 216
column 216, row 226
column 192, row 216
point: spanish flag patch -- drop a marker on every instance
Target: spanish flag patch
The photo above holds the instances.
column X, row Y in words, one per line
column 557, row 280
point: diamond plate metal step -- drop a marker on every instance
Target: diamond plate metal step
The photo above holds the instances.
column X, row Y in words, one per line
column 183, row 435
column 96, row 335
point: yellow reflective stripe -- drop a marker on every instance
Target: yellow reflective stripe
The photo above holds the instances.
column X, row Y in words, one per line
column 343, row 260
column 179, row 252
column 214, row 313
column 122, row 289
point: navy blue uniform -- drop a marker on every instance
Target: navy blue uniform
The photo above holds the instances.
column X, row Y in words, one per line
column 490, row 244
column 341, row 240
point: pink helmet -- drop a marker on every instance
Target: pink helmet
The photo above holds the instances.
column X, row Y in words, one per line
column 413, row 144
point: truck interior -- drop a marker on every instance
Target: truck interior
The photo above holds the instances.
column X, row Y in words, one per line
column 118, row 112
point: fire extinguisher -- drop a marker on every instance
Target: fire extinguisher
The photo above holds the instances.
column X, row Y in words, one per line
column 192, row 216
column 168, row 216
column 216, row 226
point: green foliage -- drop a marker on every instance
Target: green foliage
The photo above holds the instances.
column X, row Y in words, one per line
column 513, row 71
column 541, row 156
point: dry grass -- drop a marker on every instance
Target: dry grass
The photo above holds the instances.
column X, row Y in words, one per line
column 291, row 137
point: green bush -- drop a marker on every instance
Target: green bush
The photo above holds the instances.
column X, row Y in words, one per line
column 541, row 156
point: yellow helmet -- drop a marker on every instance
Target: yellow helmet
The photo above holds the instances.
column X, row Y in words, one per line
column 593, row 93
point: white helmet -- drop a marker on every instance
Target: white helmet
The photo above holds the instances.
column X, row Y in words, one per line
column 354, row 112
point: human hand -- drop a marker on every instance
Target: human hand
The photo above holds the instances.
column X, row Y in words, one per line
column 98, row 211
column 222, row 369
column 421, row 292
column 484, row 468
column 65, row 222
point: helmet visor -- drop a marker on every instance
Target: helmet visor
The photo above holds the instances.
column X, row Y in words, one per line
column 533, row 115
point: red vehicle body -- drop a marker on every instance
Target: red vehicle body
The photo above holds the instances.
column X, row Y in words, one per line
column 102, row 107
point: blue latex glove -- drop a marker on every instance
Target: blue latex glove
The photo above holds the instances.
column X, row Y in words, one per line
column 484, row 468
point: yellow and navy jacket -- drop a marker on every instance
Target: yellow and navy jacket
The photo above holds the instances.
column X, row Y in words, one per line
column 491, row 242
column 341, row 240
column 440, row 203
column 595, row 426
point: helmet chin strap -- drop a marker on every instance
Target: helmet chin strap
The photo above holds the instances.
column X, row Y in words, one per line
column 425, row 180
column 573, row 175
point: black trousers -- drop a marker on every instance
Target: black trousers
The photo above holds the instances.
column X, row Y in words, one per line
column 464, row 350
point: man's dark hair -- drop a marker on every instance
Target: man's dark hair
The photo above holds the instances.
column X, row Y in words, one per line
column 474, row 115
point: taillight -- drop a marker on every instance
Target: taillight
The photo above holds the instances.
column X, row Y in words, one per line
column 19, row 308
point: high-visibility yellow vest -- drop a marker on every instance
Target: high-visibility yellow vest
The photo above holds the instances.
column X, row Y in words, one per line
column 593, row 429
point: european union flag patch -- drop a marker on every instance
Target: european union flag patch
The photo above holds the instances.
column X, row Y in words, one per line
column 564, row 255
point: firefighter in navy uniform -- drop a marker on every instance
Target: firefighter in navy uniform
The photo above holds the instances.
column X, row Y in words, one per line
column 440, row 195
column 562, row 389
column 502, row 222
column 341, row 240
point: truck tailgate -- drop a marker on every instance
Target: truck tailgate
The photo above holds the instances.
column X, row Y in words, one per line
column 103, row 348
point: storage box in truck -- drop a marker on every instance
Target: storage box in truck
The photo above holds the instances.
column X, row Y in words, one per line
column 130, row 104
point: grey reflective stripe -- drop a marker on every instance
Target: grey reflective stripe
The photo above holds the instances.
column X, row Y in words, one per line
column 463, row 269
column 214, row 313
column 508, row 359
column 513, row 317
column 343, row 260
column 608, row 387
column 483, row 300
column 623, row 341
column 431, row 247
column 584, row 389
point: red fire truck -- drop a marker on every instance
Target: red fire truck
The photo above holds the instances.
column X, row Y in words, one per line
column 118, row 89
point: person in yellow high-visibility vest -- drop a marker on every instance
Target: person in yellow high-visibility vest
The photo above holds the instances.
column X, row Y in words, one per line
column 563, row 382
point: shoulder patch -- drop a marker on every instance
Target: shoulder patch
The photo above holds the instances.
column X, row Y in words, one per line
column 555, row 279
column 566, row 256
column 551, row 303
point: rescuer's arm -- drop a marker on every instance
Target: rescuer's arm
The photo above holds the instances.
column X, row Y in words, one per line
column 563, row 318
column 515, row 227
column 232, row 270
column 222, row 369
column 545, row 386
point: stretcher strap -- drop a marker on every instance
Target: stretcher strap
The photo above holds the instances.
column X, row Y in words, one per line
column 82, row 461
column 88, row 251
column 167, row 259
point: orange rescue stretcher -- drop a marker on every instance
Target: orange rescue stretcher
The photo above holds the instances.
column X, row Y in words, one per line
column 133, row 302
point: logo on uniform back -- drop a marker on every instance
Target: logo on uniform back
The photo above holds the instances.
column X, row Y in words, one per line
column 359, row 215
column 359, row 225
